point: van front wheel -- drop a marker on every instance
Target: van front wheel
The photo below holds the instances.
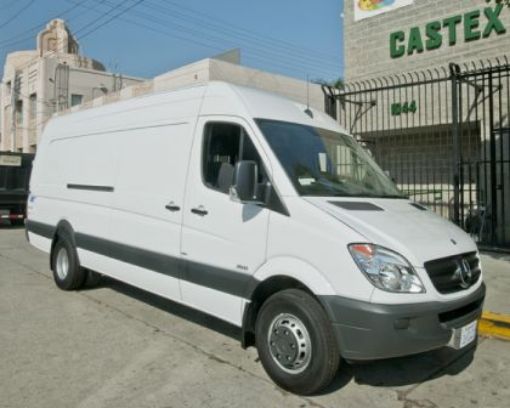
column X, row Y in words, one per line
column 296, row 342
column 67, row 272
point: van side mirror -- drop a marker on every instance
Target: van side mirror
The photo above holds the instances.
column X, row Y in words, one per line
column 244, row 187
column 387, row 172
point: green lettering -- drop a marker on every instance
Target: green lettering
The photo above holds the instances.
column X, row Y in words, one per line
column 494, row 23
column 451, row 23
column 402, row 43
column 435, row 39
column 397, row 51
column 471, row 23
column 415, row 41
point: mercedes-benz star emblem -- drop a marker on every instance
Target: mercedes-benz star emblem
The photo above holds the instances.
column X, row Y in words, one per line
column 464, row 273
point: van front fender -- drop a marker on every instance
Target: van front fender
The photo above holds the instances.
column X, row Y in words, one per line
column 275, row 275
column 296, row 269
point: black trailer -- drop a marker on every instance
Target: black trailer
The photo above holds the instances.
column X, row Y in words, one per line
column 15, row 171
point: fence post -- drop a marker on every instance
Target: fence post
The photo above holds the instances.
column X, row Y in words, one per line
column 455, row 72
column 493, row 167
column 330, row 105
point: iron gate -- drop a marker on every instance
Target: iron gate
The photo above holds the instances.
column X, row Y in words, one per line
column 443, row 135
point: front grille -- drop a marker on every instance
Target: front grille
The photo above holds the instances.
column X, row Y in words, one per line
column 446, row 273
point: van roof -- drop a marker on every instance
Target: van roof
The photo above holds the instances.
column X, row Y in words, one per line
column 212, row 98
column 263, row 104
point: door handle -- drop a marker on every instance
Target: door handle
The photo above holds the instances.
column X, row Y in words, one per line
column 172, row 207
column 200, row 211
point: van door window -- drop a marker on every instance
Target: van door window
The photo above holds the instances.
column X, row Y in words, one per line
column 224, row 145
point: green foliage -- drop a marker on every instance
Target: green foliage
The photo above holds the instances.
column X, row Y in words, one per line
column 505, row 2
column 338, row 84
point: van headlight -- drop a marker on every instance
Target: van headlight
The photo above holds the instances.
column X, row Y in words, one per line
column 387, row 270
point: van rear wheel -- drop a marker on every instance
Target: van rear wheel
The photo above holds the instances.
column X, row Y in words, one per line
column 67, row 272
column 296, row 342
column 18, row 222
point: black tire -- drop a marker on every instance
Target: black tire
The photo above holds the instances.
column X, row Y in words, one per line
column 18, row 223
column 324, row 359
column 76, row 275
column 92, row 279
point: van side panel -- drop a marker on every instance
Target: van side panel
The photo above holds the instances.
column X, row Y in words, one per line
column 147, row 207
column 73, row 182
column 111, row 172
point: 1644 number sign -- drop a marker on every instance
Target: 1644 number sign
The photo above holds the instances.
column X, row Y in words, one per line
column 398, row 109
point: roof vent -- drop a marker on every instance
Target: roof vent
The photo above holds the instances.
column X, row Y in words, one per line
column 419, row 206
column 356, row 205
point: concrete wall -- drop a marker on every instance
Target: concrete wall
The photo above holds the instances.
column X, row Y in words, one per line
column 38, row 77
column 288, row 87
column 92, row 84
column 367, row 42
column 216, row 70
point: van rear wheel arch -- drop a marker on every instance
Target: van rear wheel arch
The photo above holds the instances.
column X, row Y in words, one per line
column 65, row 264
column 64, row 230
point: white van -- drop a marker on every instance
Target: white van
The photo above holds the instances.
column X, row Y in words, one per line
column 261, row 212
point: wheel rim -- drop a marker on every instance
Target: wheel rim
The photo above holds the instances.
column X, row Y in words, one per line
column 62, row 264
column 289, row 343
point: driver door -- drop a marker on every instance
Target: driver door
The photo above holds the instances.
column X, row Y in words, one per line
column 223, row 242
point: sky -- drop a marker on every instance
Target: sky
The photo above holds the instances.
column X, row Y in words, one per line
column 144, row 38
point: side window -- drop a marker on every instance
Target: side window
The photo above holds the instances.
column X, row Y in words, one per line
column 224, row 145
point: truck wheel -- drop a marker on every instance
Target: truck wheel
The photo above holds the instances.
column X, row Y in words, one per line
column 296, row 342
column 67, row 272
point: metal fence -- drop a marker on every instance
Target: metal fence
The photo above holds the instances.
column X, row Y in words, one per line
column 443, row 135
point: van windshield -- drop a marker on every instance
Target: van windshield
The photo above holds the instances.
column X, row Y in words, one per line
column 321, row 162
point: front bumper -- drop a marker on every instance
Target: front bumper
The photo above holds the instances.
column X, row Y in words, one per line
column 368, row 331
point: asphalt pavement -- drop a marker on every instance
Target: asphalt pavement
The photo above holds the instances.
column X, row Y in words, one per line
column 116, row 346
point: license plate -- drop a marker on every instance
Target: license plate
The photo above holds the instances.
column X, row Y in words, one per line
column 463, row 336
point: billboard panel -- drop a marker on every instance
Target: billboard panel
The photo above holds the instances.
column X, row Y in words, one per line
column 369, row 8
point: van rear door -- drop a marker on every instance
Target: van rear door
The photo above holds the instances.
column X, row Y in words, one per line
column 223, row 242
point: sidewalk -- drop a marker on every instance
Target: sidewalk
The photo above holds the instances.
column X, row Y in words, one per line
column 495, row 320
column 496, row 273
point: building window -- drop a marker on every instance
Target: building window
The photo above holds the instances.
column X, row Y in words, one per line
column 19, row 112
column 76, row 99
column 33, row 106
column 9, row 87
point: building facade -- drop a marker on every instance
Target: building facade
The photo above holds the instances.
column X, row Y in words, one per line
column 427, row 91
column 396, row 36
column 52, row 78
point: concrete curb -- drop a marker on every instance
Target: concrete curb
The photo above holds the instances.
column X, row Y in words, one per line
column 494, row 325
